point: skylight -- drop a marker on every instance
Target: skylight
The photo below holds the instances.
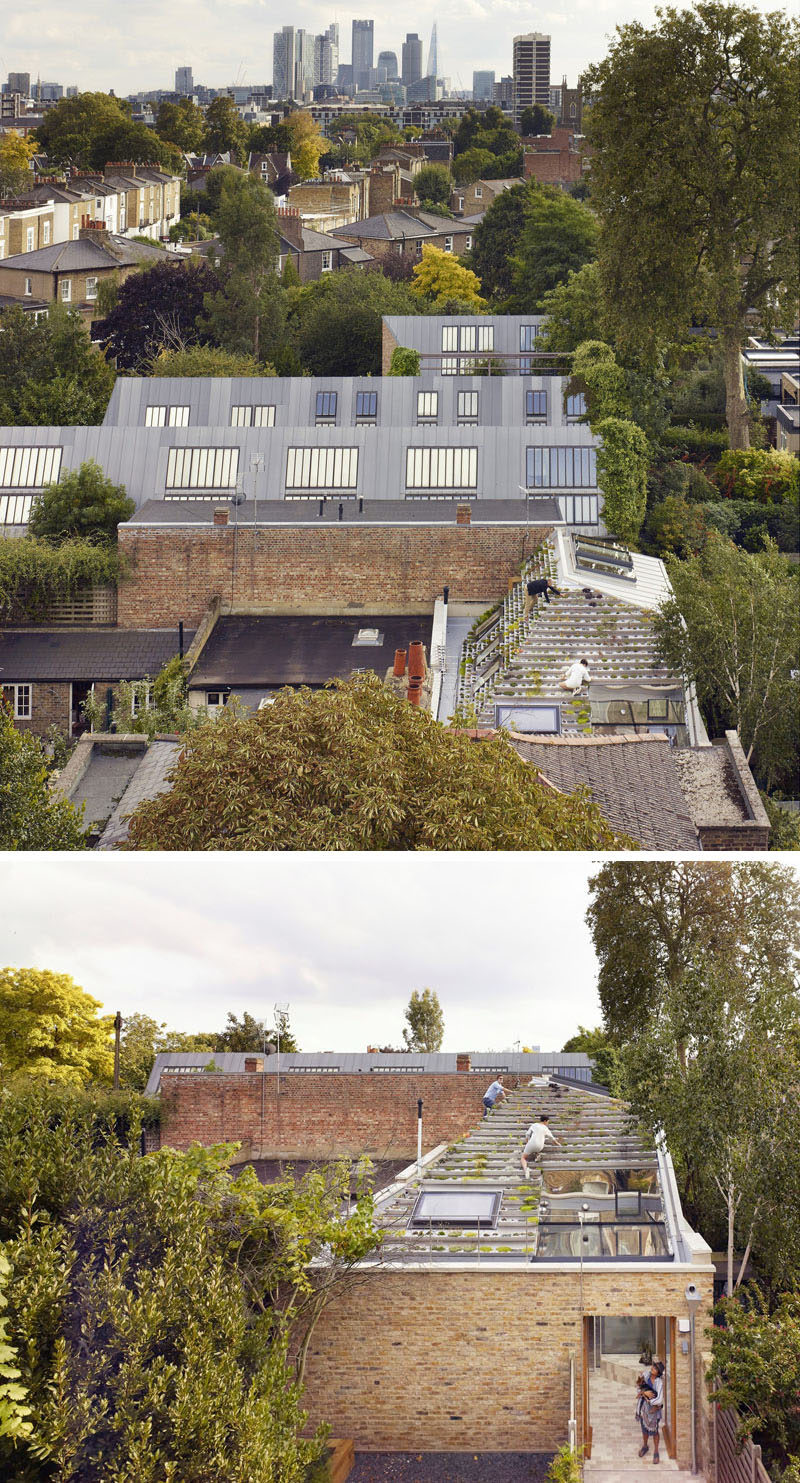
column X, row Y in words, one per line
column 457, row 1207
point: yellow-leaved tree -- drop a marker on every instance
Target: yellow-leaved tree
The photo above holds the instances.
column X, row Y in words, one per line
column 306, row 144
column 16, row 152
column 441, row 278
column 50, row 1027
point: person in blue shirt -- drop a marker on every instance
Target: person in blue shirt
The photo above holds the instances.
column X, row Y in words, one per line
column 492, row 1095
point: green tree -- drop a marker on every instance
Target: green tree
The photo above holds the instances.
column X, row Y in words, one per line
column 32, row 817
column 404, row 362
column 248, row 1033
column 694, row 178
column 162, row 1287
column 754, row 1345
column 337, row 323
column 623, row 459
column 595, row 372
column 354, row 767
column 536, row 120
column 206, row 360
column 181, row 124
column 573, row 310
column 225, row 130
column 732, row 627
column 84, row 503
column 51, row 374
column 246, row 315
column 496, row 240
column 306, row 143
column 16, row 152
column 49, row 1027
column 433, row 184
column 13, row 1411
column 424, row 1022
column 603, row 1051
column 141, row 1040
column 558, row 237
column 474, row 164
column 156, row 307
column 440, row 278
column 69, row 129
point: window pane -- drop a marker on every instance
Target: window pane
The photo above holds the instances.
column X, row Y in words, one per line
column 468, row 337
column 263, row 416
column 322, row 468
column 450, row 337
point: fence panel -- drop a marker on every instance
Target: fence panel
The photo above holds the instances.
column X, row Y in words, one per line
column 736, row 1464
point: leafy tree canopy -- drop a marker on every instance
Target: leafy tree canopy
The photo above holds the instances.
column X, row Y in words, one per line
column 206, row 360
column 496, row 239
column 754, row 1344
column 433, row 183
column 732, row 627
column 16, row 152
column 573, row 310
column 306, row 143
column 440, row 278
column 50, row 1027
column 84, row 504
column 424, row 1022
column 603, row 1050
column 246, row 315
column 156, row 307
column 142, row 1038
column 96, row 128
column 536, row 120
column 694, row 178
column 250, row 1034
column 354, row 767
column 558, row 237
column 623, row 459
column 225, row 129
column 50, row 373
column 337, row 323
column 181, row 124
column 32, row 817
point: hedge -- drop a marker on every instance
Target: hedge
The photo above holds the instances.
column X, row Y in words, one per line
column 701, row 442
column 34, row 574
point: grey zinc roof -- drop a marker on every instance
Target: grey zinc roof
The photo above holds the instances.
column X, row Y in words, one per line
column 483, row 1063
column 36, row 654
column 634, row 780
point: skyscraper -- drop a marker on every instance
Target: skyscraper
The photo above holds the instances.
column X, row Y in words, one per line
column 531, row 72
column 19, row 82
column 433, row 54
column 284, row 53
column 387, row 66
column 412, row 59
column 305, row 53
column 184, row 81
column 363, row 51
column 482, row 87
column 326, row 56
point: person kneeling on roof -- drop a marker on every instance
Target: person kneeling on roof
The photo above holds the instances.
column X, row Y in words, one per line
column 536, row 1137
column 576, row 676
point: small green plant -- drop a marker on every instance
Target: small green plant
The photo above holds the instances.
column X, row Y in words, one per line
column 565, row 1467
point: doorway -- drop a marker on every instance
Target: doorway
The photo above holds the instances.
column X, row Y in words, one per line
column 614, row 1354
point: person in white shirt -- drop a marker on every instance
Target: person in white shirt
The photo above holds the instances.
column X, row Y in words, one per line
column 650, row 1407
column 576, row 676
column 492, row 1095
column 536, row 1137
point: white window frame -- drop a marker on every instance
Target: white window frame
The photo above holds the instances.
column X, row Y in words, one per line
column 136, row 698
column 66, row 290
column 30, row 239
column 29, row 468
column 250, row 415
column 91, row 289
column 45, row 234
column 28, row 288
column 441, row 468
column 321, row 468
column 479, row 193
column 76, row 231
column 427, row 406
column 467, row 407
column 468, row 244
column 327, row 260
column 20, row 699
column 448, row 244
column 202, row 468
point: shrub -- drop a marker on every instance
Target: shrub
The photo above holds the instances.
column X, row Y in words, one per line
column 83, row 504
column 206, row 360
column 622, row 461
column 404, row 362
column 696, row 442
column 674, row 527
column 758, row 474
column 34, row 574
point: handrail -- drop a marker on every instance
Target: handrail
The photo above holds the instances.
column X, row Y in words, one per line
column 572, row 1424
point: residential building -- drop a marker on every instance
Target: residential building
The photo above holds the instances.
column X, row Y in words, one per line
column 72, row 271
column 412, row 59
column 362, row 53
column 531, row 71
column 473, row 199
column 184, row 81
column 787, row 414
column 483, row 87
column 559, row 158
column 404, row 233
column 773, row 362
column 329, row 203
column 504, row 94
column 25, row 227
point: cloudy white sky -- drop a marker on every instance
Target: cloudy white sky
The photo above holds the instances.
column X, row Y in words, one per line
column 342, row 939
column 102, row 44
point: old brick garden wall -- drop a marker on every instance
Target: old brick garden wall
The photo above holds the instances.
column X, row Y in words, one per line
column 320, row 1115
column 476, row 1360
column 175, row 572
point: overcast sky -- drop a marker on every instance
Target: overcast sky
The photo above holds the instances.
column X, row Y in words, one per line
column 343, row 939
column 132, row 45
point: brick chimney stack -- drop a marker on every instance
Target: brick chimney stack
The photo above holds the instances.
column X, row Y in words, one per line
column 463, row 514
column 463, row 1062
column 221, row 515
column 290, row 226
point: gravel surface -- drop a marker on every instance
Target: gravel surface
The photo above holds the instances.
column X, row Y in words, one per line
column 450, row 1467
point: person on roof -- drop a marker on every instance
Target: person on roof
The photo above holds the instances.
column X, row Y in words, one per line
column 577, row 675
column 536, row 1137
column 492, row 1095
column 539, row 587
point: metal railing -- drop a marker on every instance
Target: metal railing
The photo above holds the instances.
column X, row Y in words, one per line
column 572, row 1424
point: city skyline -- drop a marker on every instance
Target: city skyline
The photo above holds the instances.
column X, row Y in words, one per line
column 103, row 46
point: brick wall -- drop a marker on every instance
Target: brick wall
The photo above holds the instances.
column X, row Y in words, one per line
column 389, row 346
column 320, row 1115
column 474, row 1360
column 49, row 707
column 175, row 572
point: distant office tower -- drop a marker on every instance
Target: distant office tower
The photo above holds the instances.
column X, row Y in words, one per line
column 305, row 52
column 504, row 94
column 184, row 82
column 531, row 72
column 363, row 45
column 284, row 56
column 387, row 66
column 48, row 92
column 19, row 82
column 433, row 54
column 412, row 59
column 482, row 87
column 344, row 77
column 72, row 91
column 326, row 56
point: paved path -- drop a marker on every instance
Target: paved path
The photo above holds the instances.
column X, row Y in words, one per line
column 617, row 1437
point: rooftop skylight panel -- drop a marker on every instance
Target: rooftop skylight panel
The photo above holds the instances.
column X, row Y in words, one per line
column 561, row 468
column 366, row 406
column 441, row 468
column 427, row 406
column 159, row 415
column 202, row 468
column 321, row 468
column 536, row 406
column 29, row 468
column 456, row 1207
column 467, row 406
column 253, row 416
column 327, row 402
column 15, row 509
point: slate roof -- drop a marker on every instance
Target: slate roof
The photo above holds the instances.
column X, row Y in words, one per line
column 295, row 650
column 29, row 654
column 634, row 780
column 388, row 226
column 73, row 257
column 148, row 781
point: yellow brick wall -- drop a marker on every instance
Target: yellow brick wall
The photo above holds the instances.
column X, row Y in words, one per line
column 462, row 1360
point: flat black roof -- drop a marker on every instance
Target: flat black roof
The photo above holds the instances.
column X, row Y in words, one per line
column 300, row 650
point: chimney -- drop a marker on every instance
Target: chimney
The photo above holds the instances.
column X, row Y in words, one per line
column 416, row 661
column 253, row 1064
column 463, row 514
column 290, row 226
column 399, row 663
column 414, row 692
column 94, row 231
column 463, row 1062
column 221, row 515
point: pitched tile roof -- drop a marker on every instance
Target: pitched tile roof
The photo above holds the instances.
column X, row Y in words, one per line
column 73, row 257
column 31, row 654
